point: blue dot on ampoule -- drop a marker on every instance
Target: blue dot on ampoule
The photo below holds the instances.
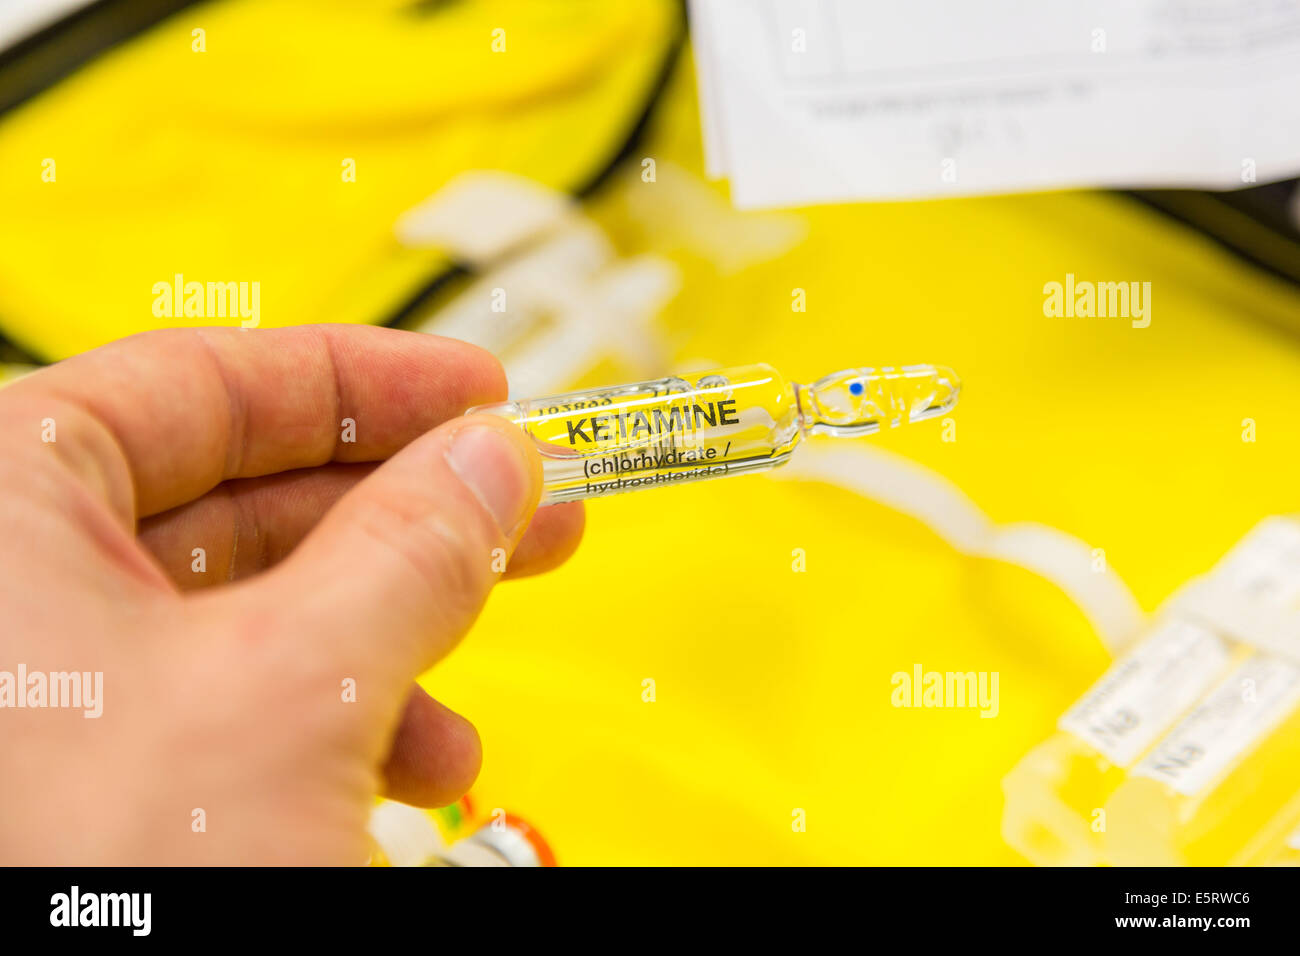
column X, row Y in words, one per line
column 855, row 388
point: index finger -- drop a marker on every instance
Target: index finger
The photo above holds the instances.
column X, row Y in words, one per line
column 163, row 417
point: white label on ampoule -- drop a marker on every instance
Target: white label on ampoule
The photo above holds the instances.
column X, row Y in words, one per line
column 1240, row 712
column 1144, row 692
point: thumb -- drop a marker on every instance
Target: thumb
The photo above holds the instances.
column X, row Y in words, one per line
column 399, row 568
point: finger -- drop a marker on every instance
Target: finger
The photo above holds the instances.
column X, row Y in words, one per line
column 552, row 537
column 158, row 419
column 398, row 569
column 435, row 757
column 245, row 526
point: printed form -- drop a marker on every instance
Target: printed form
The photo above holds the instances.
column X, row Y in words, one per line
column 810, row 101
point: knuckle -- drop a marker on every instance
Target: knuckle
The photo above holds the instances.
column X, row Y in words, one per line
column 446, row 555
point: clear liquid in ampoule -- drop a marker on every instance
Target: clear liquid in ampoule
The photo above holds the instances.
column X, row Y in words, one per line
column 605, row 441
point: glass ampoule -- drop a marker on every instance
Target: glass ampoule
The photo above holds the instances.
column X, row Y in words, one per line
column 1199, row 819
column 1277, row 843
column 1206, row 789
column 1056, row 794
column 604, row 441
column 1289, row 853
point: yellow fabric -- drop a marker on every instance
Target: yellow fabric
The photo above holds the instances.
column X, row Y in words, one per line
column 227, row 165
column 773, row 688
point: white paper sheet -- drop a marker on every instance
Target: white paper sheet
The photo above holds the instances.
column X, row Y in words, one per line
column 21, row 18
column 808, row 101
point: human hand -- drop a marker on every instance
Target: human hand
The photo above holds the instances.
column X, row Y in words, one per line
column 225, row 691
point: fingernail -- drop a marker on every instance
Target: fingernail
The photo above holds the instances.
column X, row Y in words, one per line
column 492, row 467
